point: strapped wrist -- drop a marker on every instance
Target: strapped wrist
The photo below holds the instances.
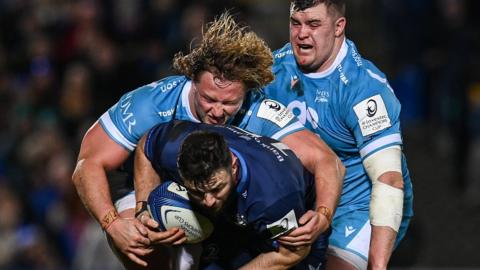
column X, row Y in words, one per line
column 325, row 211
column 140, row 207
column 108, row 219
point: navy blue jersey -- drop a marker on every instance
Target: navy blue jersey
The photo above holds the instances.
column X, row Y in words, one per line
column 273, row 190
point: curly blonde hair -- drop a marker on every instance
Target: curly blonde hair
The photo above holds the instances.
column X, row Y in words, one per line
column 231, row 52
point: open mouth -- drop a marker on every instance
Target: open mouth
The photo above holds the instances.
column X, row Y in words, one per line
column 304, row 47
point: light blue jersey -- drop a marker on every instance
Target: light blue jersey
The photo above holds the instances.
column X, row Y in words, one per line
column 354, row 110
column 164, row 100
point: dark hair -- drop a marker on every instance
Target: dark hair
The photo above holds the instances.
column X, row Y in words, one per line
column 337, row 5
column 201, row 154
column 230, row 52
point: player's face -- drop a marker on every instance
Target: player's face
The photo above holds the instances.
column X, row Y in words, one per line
column 216, row 100
column 313, row 32
column 214, row 195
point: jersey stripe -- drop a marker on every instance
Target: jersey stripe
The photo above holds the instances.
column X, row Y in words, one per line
column 379, row 78
column 297, row 126
column 390, row 139
column 114, row 133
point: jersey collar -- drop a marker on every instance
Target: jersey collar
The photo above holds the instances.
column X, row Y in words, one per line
column 186, row 103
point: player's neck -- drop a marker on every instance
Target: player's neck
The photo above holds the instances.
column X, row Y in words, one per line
column 333, row 56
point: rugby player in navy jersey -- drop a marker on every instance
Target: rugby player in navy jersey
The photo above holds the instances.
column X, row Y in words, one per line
column 220, row 83
column 254, row 186
column 349, row 103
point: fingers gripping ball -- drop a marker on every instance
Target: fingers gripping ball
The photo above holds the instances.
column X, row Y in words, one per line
column 170, row 206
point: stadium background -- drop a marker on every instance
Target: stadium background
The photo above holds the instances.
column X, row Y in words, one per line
column 63, row 63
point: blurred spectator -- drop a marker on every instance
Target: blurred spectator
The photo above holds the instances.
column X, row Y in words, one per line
column 62, row 63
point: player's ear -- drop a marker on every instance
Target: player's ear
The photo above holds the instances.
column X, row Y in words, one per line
column 340, row 24
column 234, row 163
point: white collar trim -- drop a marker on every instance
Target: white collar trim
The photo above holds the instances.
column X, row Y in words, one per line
column 340, row 56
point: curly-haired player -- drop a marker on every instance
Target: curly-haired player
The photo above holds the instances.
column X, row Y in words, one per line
column 216, row 88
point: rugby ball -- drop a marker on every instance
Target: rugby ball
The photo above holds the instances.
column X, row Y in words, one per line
column 170, row 206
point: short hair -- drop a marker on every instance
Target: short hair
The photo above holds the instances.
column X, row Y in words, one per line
column 338, row 6
column 231, row 52
column 202, row 154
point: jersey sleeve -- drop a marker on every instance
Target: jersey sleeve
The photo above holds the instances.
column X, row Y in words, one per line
column 279, row 218
column 127, row 120
column 372, row 113
column 270, row 118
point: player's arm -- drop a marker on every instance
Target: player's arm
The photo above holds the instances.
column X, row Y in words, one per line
column 284, row 258
column 386, row 204
column 329, row 171
column 99, row 154
column 145, row 180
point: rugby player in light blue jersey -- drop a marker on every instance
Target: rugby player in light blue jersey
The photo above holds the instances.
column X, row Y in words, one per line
column 220, row 76
column 348, row 102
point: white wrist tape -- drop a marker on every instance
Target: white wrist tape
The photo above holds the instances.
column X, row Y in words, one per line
column 386, row 203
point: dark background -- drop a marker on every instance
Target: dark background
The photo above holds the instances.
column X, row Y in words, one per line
column 63, row 63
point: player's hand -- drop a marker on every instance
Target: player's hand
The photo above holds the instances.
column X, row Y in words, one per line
column 173, row 236
column 131, row 238
column 312, row 224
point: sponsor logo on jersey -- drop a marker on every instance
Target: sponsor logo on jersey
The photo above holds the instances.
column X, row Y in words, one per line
column 343, row 77
column 356, row 57
column 166, row 113
column 127, row 115
column 164, row 87
column 283, row 225
column 321, row 96
column 282, row 54
column 240, row 220
column 275, row 112
column 311, row 267
column 372, row 115
column 304, row 113
column 349, row 230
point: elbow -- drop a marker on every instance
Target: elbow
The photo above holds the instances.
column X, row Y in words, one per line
column 76, row 176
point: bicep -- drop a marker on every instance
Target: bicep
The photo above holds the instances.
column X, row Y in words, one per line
column 309, row 148
column 99, row 148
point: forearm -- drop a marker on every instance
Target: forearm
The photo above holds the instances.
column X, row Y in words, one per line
column 91, row 183
column 145, row 177
column 329, row 173
column 381, row 247
column 277, row 260
column 323, row 163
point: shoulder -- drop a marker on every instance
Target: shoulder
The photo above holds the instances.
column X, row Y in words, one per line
column 283, row 58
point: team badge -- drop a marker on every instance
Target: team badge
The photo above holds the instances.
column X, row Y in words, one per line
column 372, row 115
column 275, row 112
column 284, row 225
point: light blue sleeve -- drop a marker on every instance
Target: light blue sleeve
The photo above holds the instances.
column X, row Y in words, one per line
column 372, row 113
column 127, row 120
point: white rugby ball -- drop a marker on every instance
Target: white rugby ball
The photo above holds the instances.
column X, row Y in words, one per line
column 170, row 206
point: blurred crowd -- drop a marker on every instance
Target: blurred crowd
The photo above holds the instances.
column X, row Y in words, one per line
column 63, row 63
